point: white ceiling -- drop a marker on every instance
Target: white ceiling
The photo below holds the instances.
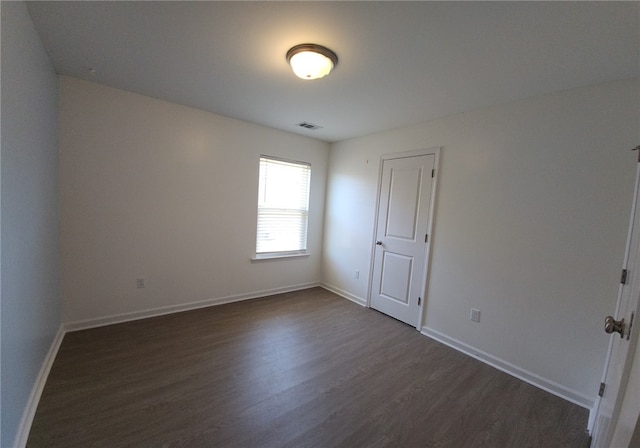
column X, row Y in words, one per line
column 400, row 62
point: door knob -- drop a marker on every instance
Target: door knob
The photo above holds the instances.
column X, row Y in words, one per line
column 378, row 243
column 611, row 325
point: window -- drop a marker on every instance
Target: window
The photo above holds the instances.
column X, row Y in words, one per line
column 283, row 207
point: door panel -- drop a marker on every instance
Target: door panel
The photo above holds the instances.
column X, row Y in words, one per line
column 396, row 276
column 404, row 198
column 401, row 250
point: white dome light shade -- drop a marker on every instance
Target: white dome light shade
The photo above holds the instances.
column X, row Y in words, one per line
column 310, row 61
column 310, row 65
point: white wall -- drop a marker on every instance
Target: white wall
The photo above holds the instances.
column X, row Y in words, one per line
column 31, row 305
column 530, row 225
column 156, row 190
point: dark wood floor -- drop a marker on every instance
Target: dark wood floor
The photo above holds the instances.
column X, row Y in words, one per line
column 302, row 369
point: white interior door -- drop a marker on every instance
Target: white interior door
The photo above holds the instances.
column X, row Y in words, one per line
column 401, row 251
column 623, row 338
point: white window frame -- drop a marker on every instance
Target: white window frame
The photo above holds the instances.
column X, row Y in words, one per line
column 265, row 211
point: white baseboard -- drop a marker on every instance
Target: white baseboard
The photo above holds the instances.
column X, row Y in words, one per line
column 536, row 380
column 153, row 312
column 36, row 392
column 345, row 294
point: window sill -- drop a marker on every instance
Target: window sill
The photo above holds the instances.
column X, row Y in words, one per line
column 266, row 257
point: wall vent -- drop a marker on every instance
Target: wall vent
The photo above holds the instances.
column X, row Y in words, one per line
column 307, row 125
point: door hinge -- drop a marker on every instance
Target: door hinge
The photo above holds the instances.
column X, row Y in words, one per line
column 623, row 277
column 426, row 237
column 433, row 173
column 637, row 148
column 419, row 300
column 630, row 325
column 601, row 390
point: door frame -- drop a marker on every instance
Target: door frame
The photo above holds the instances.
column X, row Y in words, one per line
column 435, row 151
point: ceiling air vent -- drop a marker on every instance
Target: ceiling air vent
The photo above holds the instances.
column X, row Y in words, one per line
column 307, row 125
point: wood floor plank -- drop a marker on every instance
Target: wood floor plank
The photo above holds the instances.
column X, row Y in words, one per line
column 301, row 369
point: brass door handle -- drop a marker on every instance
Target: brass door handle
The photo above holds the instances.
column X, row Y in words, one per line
column 611, row 325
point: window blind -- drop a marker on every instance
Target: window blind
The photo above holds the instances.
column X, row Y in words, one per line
column 283, row 206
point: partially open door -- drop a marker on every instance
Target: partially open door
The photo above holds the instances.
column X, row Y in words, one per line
column 623, row 327
column 404, row 217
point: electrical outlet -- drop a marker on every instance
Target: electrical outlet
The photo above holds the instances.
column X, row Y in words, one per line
column 356, row 274
column 475, row 315
column 140, row 283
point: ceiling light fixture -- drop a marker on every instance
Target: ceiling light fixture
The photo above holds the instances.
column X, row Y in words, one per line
column 311, row 61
